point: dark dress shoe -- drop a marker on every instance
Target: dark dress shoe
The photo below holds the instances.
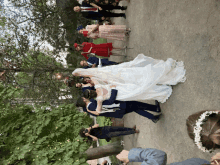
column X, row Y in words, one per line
column 158, row 106
column 124, row 16
column 124, row 8
column 156, row 118
column 134, row 127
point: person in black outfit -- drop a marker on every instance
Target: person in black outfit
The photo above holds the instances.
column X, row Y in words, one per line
column 98, row 11
column 95, row 132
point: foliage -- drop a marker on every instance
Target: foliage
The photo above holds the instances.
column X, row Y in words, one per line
column 6, row 95
column 43, row 137
column 103, row 121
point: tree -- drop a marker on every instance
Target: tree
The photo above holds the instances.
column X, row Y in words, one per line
column 103, row 151
column 43, row 137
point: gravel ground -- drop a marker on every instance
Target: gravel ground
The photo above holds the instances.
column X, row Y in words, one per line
column 186, row 30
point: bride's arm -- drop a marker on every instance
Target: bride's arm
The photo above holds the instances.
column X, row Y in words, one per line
column 99, row 106
column 93, row 112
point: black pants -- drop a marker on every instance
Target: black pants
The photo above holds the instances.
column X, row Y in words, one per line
column 133, row 106
column 111, row 131
column 110, row 14
column 110, row 7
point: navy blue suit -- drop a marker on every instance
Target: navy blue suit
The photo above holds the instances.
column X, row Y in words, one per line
column 125, row 107
column 95, row 60
column 101, row 13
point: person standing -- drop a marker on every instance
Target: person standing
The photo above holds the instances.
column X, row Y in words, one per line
column 95, row 132
column 111, row 32
column 98, row 12
column 104, row 49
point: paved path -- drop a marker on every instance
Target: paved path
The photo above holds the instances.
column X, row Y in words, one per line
column 185, row 30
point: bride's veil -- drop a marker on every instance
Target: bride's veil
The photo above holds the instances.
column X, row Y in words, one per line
column 101, row 74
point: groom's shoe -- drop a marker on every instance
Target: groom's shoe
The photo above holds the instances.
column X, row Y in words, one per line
column 156, row 118
column 158, row 106
column 124, row 16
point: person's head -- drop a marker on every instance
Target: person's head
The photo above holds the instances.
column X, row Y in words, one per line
column 80, row 31
column 76, row 9
column 87, row 80
column 78, row 47
column 69, row 82
column 78, row 85
column 89, row 94
column 210, row 134
column 83, row 63
column 82, row 101
column 82, row 132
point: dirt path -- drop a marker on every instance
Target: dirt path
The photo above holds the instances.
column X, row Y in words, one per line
column 189, row 31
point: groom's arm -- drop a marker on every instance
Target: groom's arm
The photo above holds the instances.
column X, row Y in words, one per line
column 111, row 100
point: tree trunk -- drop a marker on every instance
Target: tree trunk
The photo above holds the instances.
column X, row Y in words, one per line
column 107, row 150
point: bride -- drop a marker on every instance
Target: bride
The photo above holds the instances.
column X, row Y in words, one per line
column 144, row 78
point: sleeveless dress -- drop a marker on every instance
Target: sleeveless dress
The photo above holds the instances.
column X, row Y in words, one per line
column 112, row 32
column 103, row 49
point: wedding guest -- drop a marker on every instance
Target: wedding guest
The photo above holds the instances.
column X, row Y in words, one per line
column 107, row 132
column 111, row 32
column 104, row 49
column 204, row 128
column 93, row 62
column 69, row 81
column 98, row 12
column 151, row 156
column 157, row 157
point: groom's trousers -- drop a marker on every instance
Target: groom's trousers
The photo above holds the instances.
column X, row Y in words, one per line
column 133, row 106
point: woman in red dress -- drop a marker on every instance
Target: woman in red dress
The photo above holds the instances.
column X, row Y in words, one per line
column 104, row 49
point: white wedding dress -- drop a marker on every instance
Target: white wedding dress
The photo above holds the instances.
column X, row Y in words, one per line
column 144, row 78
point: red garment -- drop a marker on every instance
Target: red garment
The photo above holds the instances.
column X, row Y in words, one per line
column 90, row 9
column 98, row 49
column 85, row 33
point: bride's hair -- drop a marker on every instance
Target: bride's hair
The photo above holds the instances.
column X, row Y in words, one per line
column 89, row 94
column 210, row 134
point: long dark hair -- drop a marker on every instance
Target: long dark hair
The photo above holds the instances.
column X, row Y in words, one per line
column 89, row 94
column 210, row 134
column 80, row 102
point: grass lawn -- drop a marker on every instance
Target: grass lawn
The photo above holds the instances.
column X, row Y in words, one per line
column 104, row 121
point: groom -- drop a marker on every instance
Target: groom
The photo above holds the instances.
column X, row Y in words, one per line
column 98, row 12
column 118, row 109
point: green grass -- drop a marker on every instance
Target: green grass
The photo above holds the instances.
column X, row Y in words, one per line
column 99, row 41
column 106, row 121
